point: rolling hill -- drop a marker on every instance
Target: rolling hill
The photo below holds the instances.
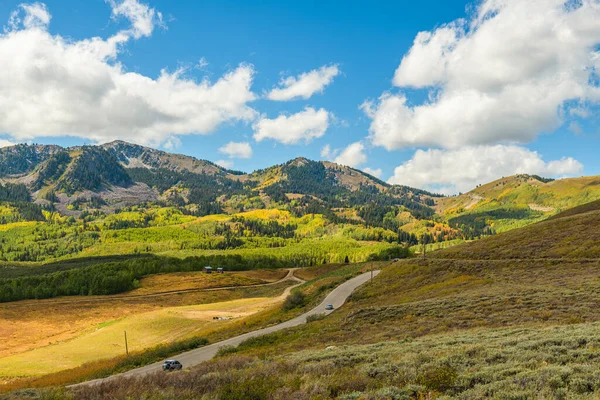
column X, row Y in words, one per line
column 516, row 201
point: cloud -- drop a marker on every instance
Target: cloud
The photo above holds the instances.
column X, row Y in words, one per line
column 227, row 164
column 353, row 155
column 505, row 75
column 52, row 86
column 452, row 171
column 36, row 15
column 237, row 150
column 6, row 143
column 142, row 17
column 305, row 85
column 292, row 129
column 328, row 153
column 202, row 63
column 575, row 127
column 375, row 172
column 172, row 143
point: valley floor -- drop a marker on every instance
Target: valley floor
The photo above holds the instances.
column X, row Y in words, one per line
column 55, row 334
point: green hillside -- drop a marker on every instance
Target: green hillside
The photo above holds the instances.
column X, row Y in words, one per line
column 568, row 235
column 515, row 201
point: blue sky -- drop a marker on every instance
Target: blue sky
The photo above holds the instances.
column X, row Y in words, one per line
column 365, row 40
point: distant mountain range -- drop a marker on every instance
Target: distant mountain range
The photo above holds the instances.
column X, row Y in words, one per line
column 119, row 174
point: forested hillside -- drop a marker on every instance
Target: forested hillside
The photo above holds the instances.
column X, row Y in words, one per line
column 119, row 198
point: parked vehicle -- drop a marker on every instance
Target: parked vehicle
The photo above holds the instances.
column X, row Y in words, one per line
column 171, row 365
column 329, row 307
column 220, row 270
column 208, row 269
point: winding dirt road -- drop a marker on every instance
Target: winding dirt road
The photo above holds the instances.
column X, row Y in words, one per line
column 337, row 298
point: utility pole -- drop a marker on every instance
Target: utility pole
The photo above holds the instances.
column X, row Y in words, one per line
column 126, row 346
column 424, row 245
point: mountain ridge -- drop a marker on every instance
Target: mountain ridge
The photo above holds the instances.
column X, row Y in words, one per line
column 108, row 177
column 38, row 164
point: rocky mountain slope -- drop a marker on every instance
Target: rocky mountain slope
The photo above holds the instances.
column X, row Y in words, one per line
column 107, row 169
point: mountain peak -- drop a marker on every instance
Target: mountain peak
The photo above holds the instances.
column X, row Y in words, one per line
column 299, row 161
column 122, row 143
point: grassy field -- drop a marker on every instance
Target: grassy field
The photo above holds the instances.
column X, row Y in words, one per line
column 199, row 280
column 144, row 330
column 53, row 329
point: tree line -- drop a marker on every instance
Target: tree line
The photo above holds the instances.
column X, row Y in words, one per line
column 118, row 277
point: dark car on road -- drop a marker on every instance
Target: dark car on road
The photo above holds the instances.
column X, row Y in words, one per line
column 171, row 365
column 329, row 307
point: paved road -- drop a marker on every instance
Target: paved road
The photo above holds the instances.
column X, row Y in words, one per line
column 337, row 298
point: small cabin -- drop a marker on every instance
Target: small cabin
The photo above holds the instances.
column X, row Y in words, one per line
column 207, row 269
column 220, row 270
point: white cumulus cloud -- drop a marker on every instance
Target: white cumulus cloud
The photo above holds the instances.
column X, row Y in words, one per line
column 34, row 15
column 453, row 171
column 52, row 86
column 237, row 150
column 305, row 85
column 353, row 155
column 291, row 129
column 328, row 153
column 375, row 172
column 142, row 17
column 504, row 76
column 227, row 164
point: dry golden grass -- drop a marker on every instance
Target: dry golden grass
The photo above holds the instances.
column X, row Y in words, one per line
column 144, row 330
column 32, row 324
column 199, row 280
column 265, row 275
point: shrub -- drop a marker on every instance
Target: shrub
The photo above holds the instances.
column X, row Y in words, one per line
column 249, row 388
column 315, row 317
column 393, row 393
column 294, row 300
column 440, row 378
column 259, row 341
column 580, row 386
column 226, row 350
